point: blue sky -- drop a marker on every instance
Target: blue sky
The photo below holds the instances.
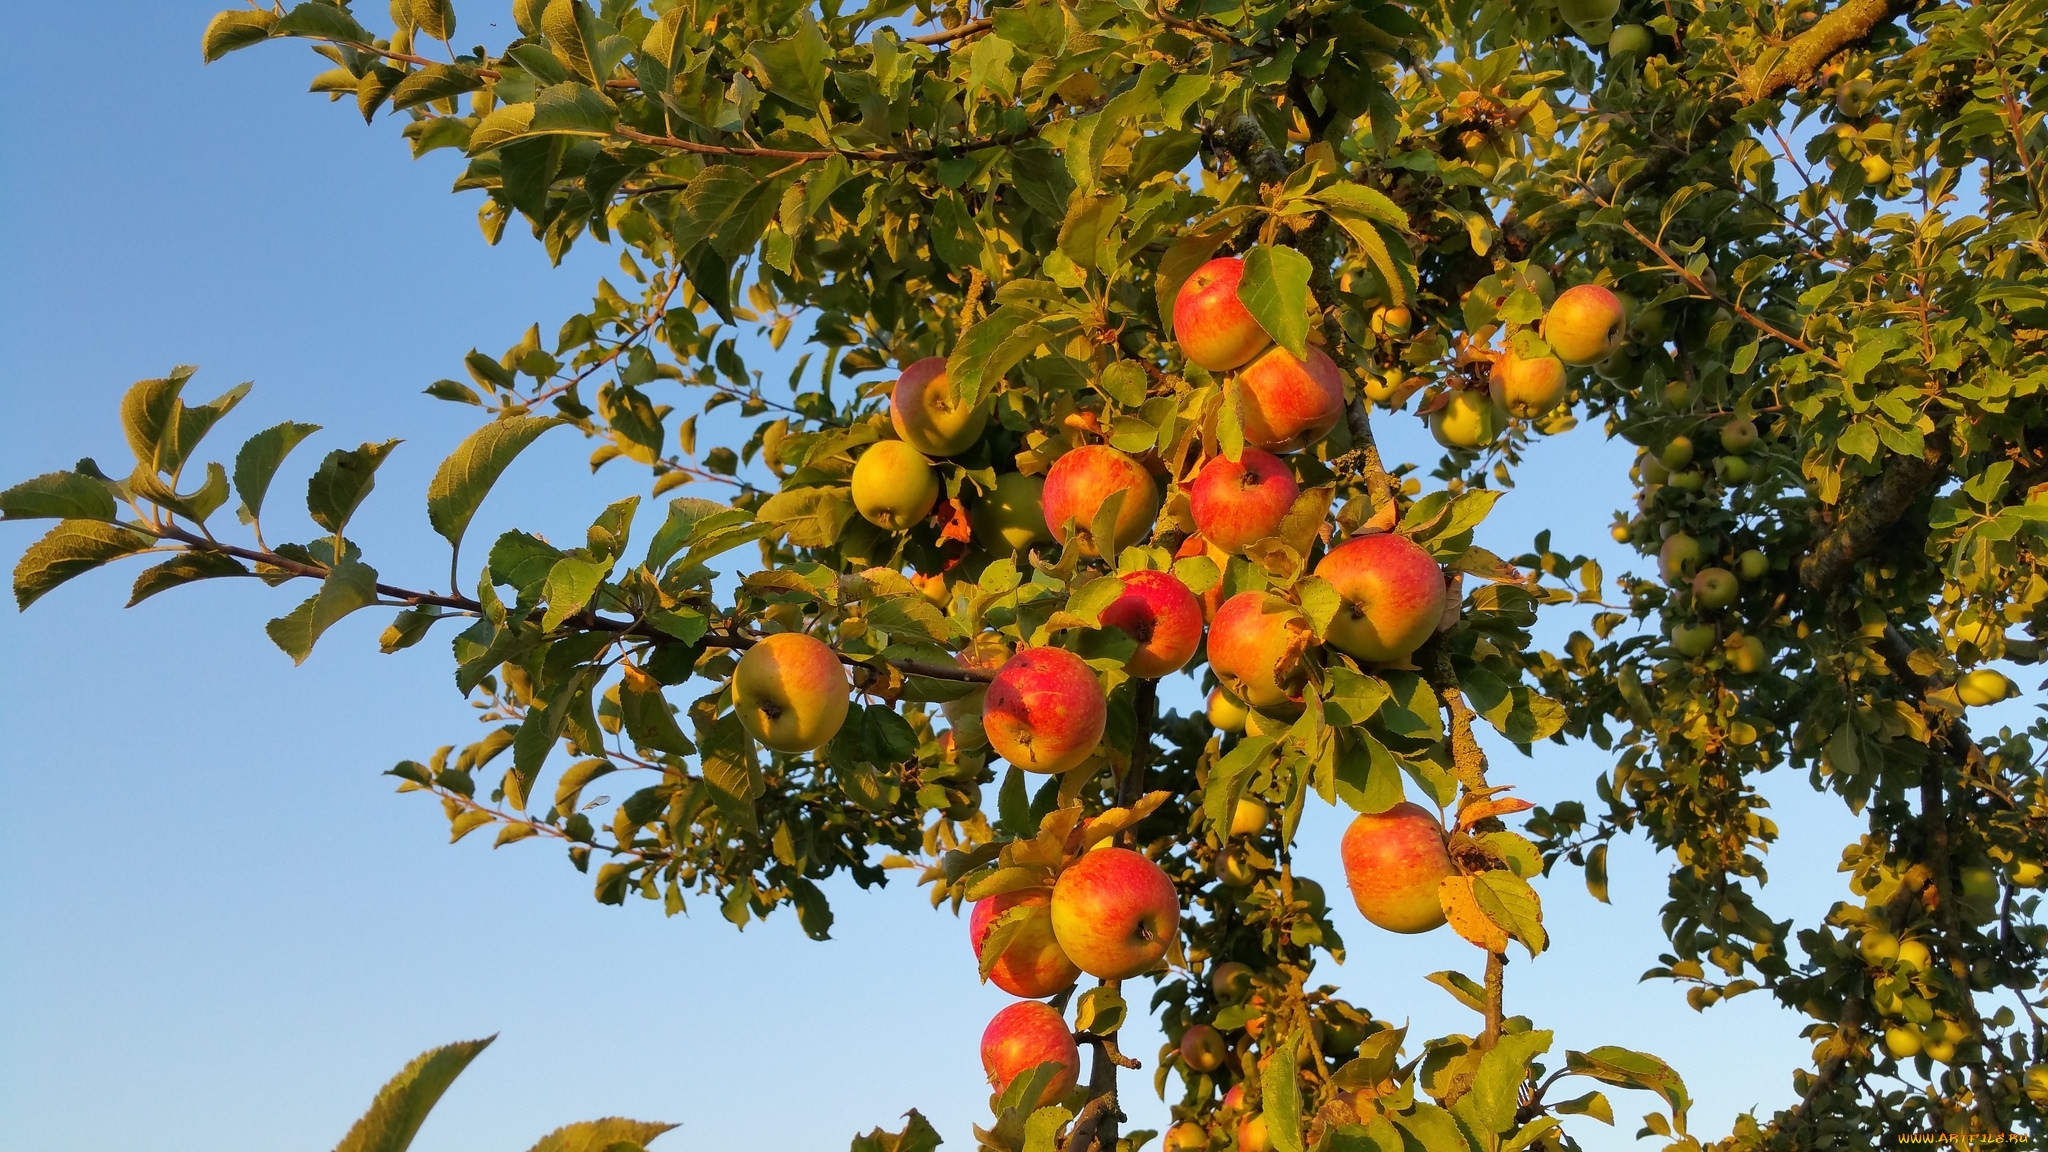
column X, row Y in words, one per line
column 220, row 928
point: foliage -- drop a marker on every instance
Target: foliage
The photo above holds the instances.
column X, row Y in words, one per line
column 1830, row 230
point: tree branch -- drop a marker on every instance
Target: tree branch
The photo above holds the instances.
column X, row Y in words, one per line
column 1863, row 523
column 880, row 155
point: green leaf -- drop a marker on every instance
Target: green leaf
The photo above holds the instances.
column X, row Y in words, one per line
column 794, row 68
column 1088, row 224
column 600, row 1135
column 58, row 496
column 1462, row 988
column 1101, row 1010
column 408, row 628
column 1125, row 382
column 991, row 348
column 1591, row 1104
column 1226, row 778
column 321, row 20
column 435, row 82
column 570, row 585
column 1627, row 1069
column 402, row 1105
column 466, row 476
column 257, row 463
column 572, row 109
column 730, row 768
column 196, row 505
column 70, row 549
column 571, row 29
column 234, row 29
column 647, row 717
column 501, row 126
column 1275, row 290
column 343, row 480
column 1509, row 902
column 812, row 517
column 435, row 17
column 350, row 585
column 185, row 569
column 1281, row 1101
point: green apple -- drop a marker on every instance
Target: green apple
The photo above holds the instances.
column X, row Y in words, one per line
column 1653, row 470
column 1984, row 686
column 1677, row 454
column 1694, row 641
column 1878, row 947
column 1745, row 654
column 1715, row 588
column 1679, row 557
column 1752, row 565
column 894, row 486
column 1738, row 436
column 1877, row 170
column 1902, row 1041
column 1732, row 469
column 1691, row 480
column 1011, row 514
column 1629, row 40
column 1469, row 420
column 1914, row 956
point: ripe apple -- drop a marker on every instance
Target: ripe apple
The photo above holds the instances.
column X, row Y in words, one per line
column 1738, row 436
column 1394, row 862
column 1226, row 712
column 1186, row 1136
column 925, row 414
column 1032, row 966
column 1249, row 817
column 1629, row 40
column 1468, row 420
column 1045, row 710
column 791, row 692
column 1394, row 323
column 1289, row 404
column 1114, row 912
column 1213, row 327
column 1233, row 1100
column 1983, row 686
column 894, row 486
column 1159, row 612
column 1258, row 646
column 1527, row 388
column 1854, row 98
column 1678, row 556
column 1202, row 1048
column 1252, row 1135
column 1023, row 1036
column 1380, row 387
column 1902, row 1041
column 1715, row 588
column 1242, row 502
column 1393, row 595
column 1010, row 516
column 987, row 652
column 1586, row 322
column 1081, row 480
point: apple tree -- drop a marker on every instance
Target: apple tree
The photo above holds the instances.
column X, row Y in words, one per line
column 1101, row 301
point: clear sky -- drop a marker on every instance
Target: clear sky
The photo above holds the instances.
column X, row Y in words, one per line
column 219, row 927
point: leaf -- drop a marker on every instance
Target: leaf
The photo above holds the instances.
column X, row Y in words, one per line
column 1088, row 223
column 501, row 126
column 572, row 109
column 646, row 714
column 185, row 569
column 321, row 21
column 1627, row 1069
column 234, row 29
column 70, row 549
column 257, row 463
column 1591, row 1104
column 600, row 1135
column 408, row 628
column 570, row 585
column 1101, row 1010
column 435, row 82
column 1462, row 988
column 350, row 585
column 343, row 480
column 1509, row 902
column 794, row 68
column 466, row 476
column 402, row 1104
column 811, row 517
column 58, row 496
column 571, row 29
column 1275, row 290
column 1282, row 1097
column 435, row 17
column 991, row 348
column 1467, row 918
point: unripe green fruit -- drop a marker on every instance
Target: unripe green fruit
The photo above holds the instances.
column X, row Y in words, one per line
column 1738, row 436
column 1469, row 420
column 1715, row 588
column 1691, row 480
column 1679, row 395
column 1733, row 469
column 1653, row 470
column 1878, row 947
column 1392, row 322
column 1679, row 556
column 1677, row 454
column 1231, row 981
column 1984, row 686
column 1855, row 98
column 1876, row 170
column 1235, row 869
column 1629, row 40
column 1752, row 565
column 1746, row 654
column 1695, row 641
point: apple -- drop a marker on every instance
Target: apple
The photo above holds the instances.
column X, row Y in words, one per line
column 1081, row 480
column 1032, row 965
column 1677, row 454
column 987, row 653
column 1214, row 328
column 1983, row 686
column 2026, row 874
column 1226, row 712
column 1942, row 1051
column 1394, row 862
column 1467, row 420
column 1854, row 98
column 1380, row 387
column 1629, row 40
column 1678, row 556
column 1252, row 1135
column 1023, row 1036
column 1242, row 502
column 1878, row 947
column 1651, row 469
column 1715, row 588
column 894, row 486
column 1233, row 1101
column 1258, row 647
column 1249, row 817
column 1586, row 322
column 926, row 416
column 1527, row 388
column 1159, row 612
column 1230, row 981
column 1695, row 641
column 1691, row 480
column 1289, row 404
column 1393, row 323
column 791, row 692
column 2037, row 1083
column 1877, row 171
column 1902, row 1041
column 1202, row 1048
column 1752, row 565
column 1045, row 710
column 1738, row 436
column 1745, row 654
column 1186, row 1136
column 1010, row 516
column 1620, row 533
column 1393, row 594
column 1311, row 893
column 1235, row 869
column 1115, row 912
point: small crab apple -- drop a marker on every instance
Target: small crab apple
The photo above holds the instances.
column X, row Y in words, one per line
column 1023, row 1036
column 1045, row 710
column 1213, row 327
column 791, row 692
column 1159, row 612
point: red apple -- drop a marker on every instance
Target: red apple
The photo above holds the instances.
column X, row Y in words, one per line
column 1584, row 324
column 1289, row 404
column 1202, row 1048
column 1159, row 612
column 1045, row 710
column 1233, row 1100
column 1023, row 1036
column 1213, row 327
column 1114, row 912
column 1258, row 647
column 790, row 692
column 1252, row 1135
column 1394, row 862
column 1032, row 966
column 1239, row 503
column 1393, row 594
column 1081, row 480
